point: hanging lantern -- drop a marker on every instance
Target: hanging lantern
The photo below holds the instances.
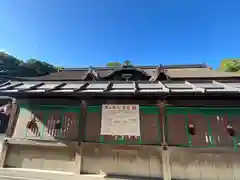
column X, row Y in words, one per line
column 230, row 130
column 191, row 129
column 31, row 124
column 58, row 125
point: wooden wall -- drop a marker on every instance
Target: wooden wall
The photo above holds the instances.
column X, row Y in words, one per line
column 209, row 118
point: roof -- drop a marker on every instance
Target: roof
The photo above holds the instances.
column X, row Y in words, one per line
column 149, row 72
column 118, row 87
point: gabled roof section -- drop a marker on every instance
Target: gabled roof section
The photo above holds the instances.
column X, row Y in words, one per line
column 199, row 73
column 91, row 75
column 159, row 74
column 127, row 73
column 152, row 73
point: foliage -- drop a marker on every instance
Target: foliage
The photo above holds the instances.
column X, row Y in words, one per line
column 118, row 64
column 230, row 65
column 15, row 67
column 114, row 64
column 127, row 62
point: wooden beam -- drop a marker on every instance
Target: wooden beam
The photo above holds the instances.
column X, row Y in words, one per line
column 109, row 87
column 83, row 87
column 194, row 87
column 11, row 126
column 82, row 122
column 135, row 86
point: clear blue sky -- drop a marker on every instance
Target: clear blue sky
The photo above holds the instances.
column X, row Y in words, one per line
column 76, row 33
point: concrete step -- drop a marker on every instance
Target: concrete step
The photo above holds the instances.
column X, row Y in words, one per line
column 35, row 174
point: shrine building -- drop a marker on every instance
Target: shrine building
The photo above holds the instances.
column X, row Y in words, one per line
column 166, row 121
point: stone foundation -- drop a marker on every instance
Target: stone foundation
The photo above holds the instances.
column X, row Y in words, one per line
column 122, row 160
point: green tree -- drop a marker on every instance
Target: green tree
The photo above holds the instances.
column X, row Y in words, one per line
column 127, row 63
column 118, row 64
column 10, row 66
column 230, row 65
column 114, row 64
column 40, row 67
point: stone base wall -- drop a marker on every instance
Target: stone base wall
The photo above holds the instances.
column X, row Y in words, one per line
column 144, row 161
column 59, row 159
column 124, row 161
column 204, row 164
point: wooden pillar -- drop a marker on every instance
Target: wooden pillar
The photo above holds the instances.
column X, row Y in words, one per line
column 81, row 136
column 9, row 132
column 12, row 119
column 166, row 166
column 161, row 105
column 82, row 123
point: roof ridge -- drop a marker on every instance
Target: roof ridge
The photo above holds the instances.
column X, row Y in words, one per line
column 174, row 66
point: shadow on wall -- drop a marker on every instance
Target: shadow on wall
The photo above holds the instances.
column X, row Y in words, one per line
column 33, row 126
column 4, row 119
column 5, row 111
column 112, row 176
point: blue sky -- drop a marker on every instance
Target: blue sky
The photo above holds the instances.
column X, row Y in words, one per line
column 75, row 33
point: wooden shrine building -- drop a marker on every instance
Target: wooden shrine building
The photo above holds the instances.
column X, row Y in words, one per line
column 178, row 121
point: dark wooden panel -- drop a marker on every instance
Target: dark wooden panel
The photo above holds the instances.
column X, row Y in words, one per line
column 149, row 128
column 70, row 125
column 4, row 120
column 93, row 126
column 176, row 129
column 234, row 120
column 218, row 122
column 51, row 124
column 35, row 128
column 201, row 136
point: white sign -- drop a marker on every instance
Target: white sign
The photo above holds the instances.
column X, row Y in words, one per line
column 121, row 120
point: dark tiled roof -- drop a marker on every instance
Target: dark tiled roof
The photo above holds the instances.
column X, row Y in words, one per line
column 199, row 73
column 173, row 72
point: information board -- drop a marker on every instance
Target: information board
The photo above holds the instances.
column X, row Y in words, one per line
column 121, row 120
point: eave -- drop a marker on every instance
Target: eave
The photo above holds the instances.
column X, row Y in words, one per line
column 119, row 88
